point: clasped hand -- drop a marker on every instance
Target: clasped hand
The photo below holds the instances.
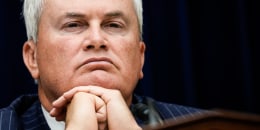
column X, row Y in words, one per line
column 93, row 108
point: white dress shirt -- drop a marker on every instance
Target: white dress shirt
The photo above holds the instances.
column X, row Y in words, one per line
column 52, row 122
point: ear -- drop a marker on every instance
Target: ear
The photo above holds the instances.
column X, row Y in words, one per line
column 29, row 58
column 142, row 53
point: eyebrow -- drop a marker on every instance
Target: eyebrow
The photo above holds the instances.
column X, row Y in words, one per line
column 113, row 14
column 74, row 15
column 117, row 14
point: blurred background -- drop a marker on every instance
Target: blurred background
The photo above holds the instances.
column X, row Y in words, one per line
column 201, row 53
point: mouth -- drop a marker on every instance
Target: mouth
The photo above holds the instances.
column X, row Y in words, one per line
column 101, row 59
column 98, row 63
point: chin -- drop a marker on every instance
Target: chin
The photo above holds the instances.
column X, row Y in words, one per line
column 100, row 78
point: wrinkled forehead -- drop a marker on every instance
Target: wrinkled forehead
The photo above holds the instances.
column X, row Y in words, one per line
column 89, row 4
column 89, row 8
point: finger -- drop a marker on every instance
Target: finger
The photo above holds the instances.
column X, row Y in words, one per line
column 61, row 117
column 81, row 112
column 55, row 112
column 105, row 94
column 59, row 114
column 60, row 102
column 102, row 126
column 101, row 111
column 67, row 96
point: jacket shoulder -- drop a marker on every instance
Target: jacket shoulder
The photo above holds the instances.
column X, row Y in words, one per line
column 171, row 110
column 21, row 104
column 10, row 116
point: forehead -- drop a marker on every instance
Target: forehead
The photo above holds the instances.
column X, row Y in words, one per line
column 89, row 6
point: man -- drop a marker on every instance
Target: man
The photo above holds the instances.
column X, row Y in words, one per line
column 87, row 58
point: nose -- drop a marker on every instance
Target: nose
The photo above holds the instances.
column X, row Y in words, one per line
column 92, row 46
column 95, row 40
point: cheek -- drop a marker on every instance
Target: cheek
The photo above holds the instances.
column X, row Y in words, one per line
column 55, row 66
column 132, row 61
column 55, row 59
column 60, row 49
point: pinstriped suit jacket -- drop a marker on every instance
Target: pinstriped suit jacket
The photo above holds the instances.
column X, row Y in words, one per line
column 25, row 113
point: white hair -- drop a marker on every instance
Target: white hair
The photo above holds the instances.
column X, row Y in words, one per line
column 139, row 12
column 32, row 10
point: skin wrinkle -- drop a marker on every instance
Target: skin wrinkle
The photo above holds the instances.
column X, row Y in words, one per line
column 87, row 43
column 128, row 51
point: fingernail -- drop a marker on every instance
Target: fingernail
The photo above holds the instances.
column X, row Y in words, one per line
column 52, row 111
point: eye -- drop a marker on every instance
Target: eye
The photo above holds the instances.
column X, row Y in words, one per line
column 113, row 26
column 74, row 27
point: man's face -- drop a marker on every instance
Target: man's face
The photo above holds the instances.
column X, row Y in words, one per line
column 88, row 42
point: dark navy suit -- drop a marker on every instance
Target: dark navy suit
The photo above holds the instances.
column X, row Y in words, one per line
column 25, row 113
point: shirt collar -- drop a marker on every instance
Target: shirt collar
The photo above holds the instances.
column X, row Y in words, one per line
column 52, row 122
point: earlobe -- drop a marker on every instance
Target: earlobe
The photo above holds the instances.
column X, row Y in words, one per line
column 29, row 58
